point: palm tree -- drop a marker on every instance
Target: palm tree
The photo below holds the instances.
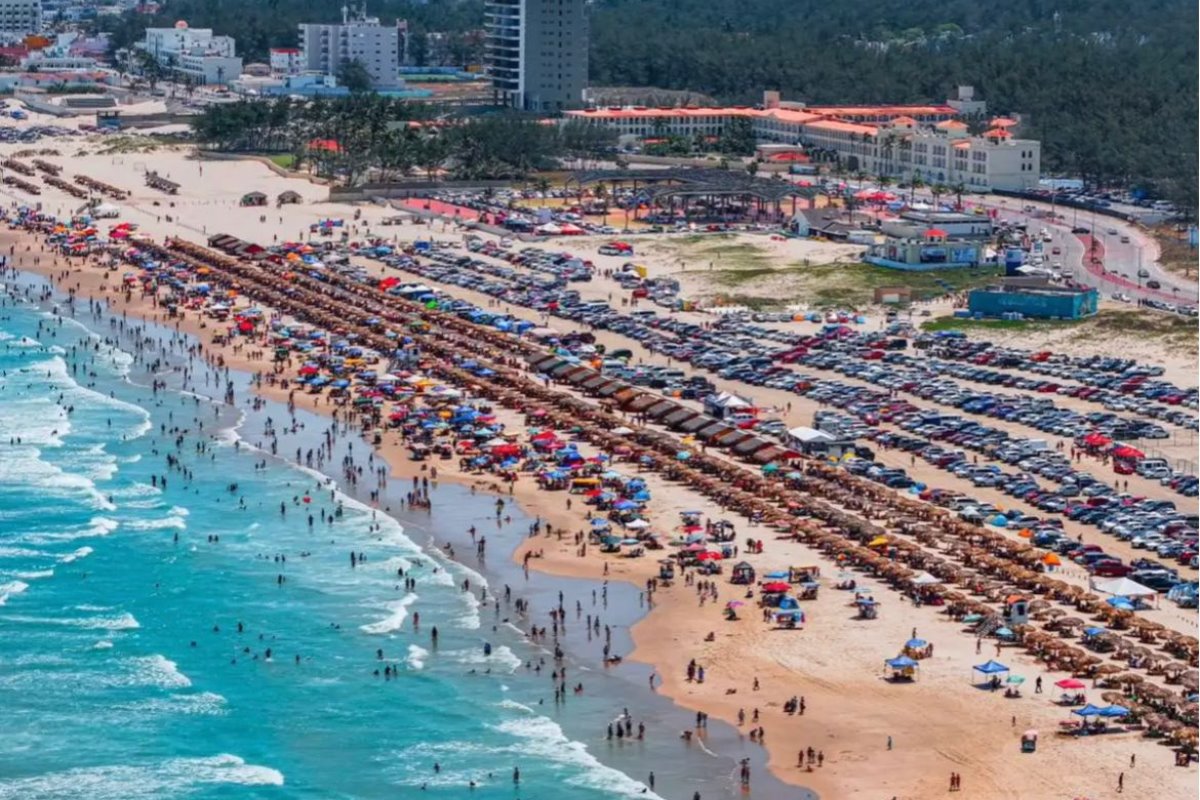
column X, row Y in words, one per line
column 937, row 190
column 959, row 189
column 917, row 182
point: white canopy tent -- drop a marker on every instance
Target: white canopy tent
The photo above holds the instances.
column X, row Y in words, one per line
column 1123, row 587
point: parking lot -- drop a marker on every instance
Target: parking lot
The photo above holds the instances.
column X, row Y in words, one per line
column 930, row 411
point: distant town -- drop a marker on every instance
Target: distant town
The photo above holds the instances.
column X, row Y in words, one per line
column 534, row 59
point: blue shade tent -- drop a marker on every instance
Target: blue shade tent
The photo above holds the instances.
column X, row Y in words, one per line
column 778, row 575
column 1005, row 633
column 1121, row 603
column 1093, row 631
column 901, row 662
column 1113, row 711
column 991, row 668
column 1088, row 711
column 600, row 523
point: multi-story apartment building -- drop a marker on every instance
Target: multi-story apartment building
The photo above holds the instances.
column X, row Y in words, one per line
column 20, row 17
column 898, row 141
column 379, row 48
column 537, row 52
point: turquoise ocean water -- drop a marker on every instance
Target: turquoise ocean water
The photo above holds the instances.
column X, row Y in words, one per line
column 122, row 671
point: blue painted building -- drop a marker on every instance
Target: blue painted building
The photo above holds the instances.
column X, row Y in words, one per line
column 1034, row 302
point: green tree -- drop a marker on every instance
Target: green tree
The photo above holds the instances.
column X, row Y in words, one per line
column 914, row 183
column 354, row 76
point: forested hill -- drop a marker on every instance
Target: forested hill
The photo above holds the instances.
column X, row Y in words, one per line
column 1110, row 86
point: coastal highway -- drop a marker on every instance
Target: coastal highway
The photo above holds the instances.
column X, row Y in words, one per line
column 1100, row 258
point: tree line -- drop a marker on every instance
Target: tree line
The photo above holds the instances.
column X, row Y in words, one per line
column 368, row 137
column 1108, row 87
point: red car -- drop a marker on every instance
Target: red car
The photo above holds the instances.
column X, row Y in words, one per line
column 1123, row 467
column 1110, row 569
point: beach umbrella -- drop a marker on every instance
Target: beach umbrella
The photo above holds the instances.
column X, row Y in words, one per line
column 599, row 523
column 776, row 586
column 915, row 644
column 638, row 524
column 1070, row 683
column 1015, row 680
column 1087, row 711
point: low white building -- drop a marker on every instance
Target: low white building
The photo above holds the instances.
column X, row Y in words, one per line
column 40, row 62
column 287, row 60
column 194, row 53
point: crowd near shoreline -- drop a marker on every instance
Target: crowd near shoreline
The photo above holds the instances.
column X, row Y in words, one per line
column 888, row 562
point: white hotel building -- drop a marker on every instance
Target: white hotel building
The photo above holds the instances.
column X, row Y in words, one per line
column 897, row 141
column 194, row 53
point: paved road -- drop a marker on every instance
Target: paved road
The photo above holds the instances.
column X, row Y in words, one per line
column 1112, row 265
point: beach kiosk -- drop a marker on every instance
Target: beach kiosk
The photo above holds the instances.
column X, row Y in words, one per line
column 288, row 198
column 1016, row 610
column 742, row 574
column 254, row 199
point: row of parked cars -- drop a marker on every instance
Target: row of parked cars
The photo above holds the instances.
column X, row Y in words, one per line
column 1116, row 381
column 1153, row 524
column 739, row 349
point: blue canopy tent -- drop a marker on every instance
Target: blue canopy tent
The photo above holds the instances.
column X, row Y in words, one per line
column 1113, row 712
column 1088, row 711
column 991, row 671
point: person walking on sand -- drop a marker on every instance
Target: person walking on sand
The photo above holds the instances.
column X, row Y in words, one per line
column 1121, row 783
column 889, row 743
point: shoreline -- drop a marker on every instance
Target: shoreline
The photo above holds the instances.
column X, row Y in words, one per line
column 661, row 639
column 538, row 590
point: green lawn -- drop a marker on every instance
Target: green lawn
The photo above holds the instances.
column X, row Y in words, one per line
column 284, row 160
column 835, row 285
column 1177, row 332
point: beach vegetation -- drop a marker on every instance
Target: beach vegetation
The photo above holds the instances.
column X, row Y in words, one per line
column 368, row 137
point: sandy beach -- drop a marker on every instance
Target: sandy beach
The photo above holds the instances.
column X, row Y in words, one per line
column 938, row 725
